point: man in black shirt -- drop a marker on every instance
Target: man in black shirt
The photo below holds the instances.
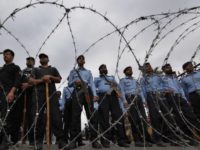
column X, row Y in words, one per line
column 28, row 101
column 42, row 75
column 9, row 105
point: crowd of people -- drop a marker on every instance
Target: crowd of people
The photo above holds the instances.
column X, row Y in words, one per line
column 29, row 105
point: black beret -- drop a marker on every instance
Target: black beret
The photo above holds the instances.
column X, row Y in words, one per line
column 30, row 58
column 127, row 68
column 42, row 55
column 103, row 65
column 80, row 56
column 166, row 65
column 186, row 64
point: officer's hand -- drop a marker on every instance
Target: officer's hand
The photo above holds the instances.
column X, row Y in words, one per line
column 95, row 98
column 46, row 78
column 31, row 81
column 78, row 82
column 10, row 97
column 24, row 86
column 126, row 104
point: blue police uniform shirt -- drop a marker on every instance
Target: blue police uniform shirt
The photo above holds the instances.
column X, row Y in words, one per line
column 121, row 105
column 151, row 83
column 191, row 82
column 61, row 105
column 130, row 86
column 170, row 82
column 86, row 76
column 66, row 96
column 102, row 85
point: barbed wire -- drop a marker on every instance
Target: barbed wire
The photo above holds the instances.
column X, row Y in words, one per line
column 156, row 20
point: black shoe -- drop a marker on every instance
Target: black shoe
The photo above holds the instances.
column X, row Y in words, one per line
column 81, row 143
column 127, row 141
column 96, row 145
column 123, row 144
column 39, row 146
column 193, row 143
column 161, row 144
column 139, row 144
column 148, row 144
column 175, row 143
column 72, row 145
column 4, row 146
column 62, row 145
column 106, row 145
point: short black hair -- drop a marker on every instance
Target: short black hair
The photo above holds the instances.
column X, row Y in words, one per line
column 125, row 69
column 80, row 56
column 9, row 50
column 166, row 65
column 147, row 63
column 186, row 64
column 103, row 65
column 43, row 55
column 30, row 58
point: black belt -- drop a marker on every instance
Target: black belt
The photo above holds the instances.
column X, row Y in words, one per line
column 195, row 92
column 129, row 95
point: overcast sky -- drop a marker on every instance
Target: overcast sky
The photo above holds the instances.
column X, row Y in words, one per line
column 33, row 25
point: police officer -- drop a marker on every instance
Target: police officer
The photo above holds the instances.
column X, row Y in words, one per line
column 28, row 100
column 108, row 92
column 84, row 94
column 47, row 74
column 10, row 105
column 151, row 84
column 177, row 102
column 191, row 85
column 131, row 92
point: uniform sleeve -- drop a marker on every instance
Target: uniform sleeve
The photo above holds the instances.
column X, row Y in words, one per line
column 91, row 83
column 121, row 105
column 121, row 84
column 140, row 92
column 70, row 78
column 56, row 73
column 143, row 90
column 17, row 77
column 96, row 82
column 184, row 91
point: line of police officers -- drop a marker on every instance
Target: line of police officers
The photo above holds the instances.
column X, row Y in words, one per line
column 173, row 105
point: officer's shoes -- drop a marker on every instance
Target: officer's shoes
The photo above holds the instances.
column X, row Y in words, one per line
column 63, row 145
column 174, row 144
column 81, row 143
column 123, row 144
column 142, row 144
column 193, row 143
column 96, row 145
column 161, row 144
column 148, row 144
column 39, row 146
column 4, row 146
column 106, row 145
column 31, row 144
column 139, row 144
column 72, row 145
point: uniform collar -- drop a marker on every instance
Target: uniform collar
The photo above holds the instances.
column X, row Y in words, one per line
column 129, row 77
column 81, row 68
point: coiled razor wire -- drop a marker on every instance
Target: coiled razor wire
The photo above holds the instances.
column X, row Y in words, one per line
column 157, row 20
